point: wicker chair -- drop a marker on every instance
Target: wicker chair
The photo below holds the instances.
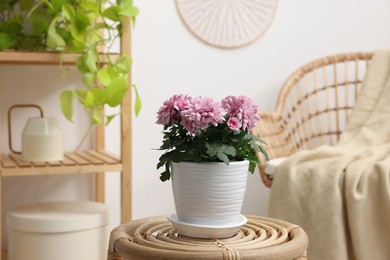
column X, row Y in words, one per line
column 313, row 106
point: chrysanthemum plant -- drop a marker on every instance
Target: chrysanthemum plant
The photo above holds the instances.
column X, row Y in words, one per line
column 203, row 130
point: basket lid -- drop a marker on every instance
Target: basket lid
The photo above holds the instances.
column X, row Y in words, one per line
column 55, row 217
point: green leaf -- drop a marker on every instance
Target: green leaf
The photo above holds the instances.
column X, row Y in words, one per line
column 221, row 151
column 79, row 29
column 81, row 95
column 160, row 164
column 31, row 44
column 66, row 103
column 110, row 118
column 116, row 91
column 81, row 64
column 112, row 71
column 2, row 7
column 13, row 26
column 54, row 40
column 65, row 34
column 166, row 175
column 128, row 9
column 89, row 100
column 252, row 166
column 6, row 41
column 81, row 21
column 103, row 76
column 92, row 6
column 260, row 149
column 89, row 79
column 40, row 22
column 68, row 11
column 223, row 157
column 79, row 37
column 138, row 102
column 56, row 5
column 112, row 13
column 170, row 156
column 25, row 4
column 38, row 4
column 91, row 61
column 258, row 139
column 123, row 64
column 94, row 98
column 99, row 96
column 95, row 38
column 96, row 116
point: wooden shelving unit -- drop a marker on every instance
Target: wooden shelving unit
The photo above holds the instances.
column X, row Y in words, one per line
column 96, row 161
column 48, row 58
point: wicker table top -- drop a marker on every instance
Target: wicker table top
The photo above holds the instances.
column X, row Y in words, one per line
column 260, row 238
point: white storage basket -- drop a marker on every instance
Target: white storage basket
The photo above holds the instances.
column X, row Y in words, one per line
column 58, row 230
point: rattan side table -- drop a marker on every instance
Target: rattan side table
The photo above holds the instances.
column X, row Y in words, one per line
column 155, row 238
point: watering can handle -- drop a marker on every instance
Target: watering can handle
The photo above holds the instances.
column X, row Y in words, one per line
column 10, row 123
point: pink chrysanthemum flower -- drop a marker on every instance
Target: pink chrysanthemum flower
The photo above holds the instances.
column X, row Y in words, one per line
column 171, row 108
column 234, row 124
column 242, row 109
column 201, row 112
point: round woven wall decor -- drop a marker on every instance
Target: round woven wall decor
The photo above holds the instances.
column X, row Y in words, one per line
column 227, row 23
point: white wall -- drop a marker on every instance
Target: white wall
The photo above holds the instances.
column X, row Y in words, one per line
column 169, row 60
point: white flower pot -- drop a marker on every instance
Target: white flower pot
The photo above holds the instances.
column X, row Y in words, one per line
column 209, row 193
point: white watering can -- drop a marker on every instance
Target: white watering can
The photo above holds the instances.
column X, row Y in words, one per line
column 41, row 137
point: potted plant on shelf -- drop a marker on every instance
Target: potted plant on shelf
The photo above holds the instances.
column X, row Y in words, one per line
column 208, row 151
column 81, row 26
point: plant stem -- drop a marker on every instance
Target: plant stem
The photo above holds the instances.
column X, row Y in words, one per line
column 91, row 127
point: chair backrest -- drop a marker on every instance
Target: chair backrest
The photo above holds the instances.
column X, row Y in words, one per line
column 314, row 103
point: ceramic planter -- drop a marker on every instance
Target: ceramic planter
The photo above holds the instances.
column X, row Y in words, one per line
column 209, row 193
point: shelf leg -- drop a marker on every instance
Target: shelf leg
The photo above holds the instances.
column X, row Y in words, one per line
column 100, row 176
column 100, row 188
column 1, row 207
column 126, row 130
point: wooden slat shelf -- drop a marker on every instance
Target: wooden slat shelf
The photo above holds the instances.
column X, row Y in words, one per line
column 40, row 57
column 78, row 162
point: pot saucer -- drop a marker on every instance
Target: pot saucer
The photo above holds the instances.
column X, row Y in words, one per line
column 206, row 231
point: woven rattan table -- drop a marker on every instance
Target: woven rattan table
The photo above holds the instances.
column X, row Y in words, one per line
column 260, row 238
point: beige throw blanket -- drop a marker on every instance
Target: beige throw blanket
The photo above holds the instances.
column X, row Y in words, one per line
column 341, row 195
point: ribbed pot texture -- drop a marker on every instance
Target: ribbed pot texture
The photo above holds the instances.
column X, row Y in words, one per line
column 209, row 193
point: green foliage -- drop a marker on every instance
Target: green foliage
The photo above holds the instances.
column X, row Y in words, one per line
column 214, row 144
column 75, row 26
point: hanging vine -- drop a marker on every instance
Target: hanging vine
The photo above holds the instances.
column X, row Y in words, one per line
column 75, row 26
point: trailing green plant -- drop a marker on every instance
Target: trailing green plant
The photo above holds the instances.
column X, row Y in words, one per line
column 81, row 26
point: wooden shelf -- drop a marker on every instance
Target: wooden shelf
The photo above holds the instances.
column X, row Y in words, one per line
column 4, row 255
column 42, row 58
column 74, row 163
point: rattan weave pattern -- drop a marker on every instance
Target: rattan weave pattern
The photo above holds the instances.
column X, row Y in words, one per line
column 313, row 106
column 260, row 238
